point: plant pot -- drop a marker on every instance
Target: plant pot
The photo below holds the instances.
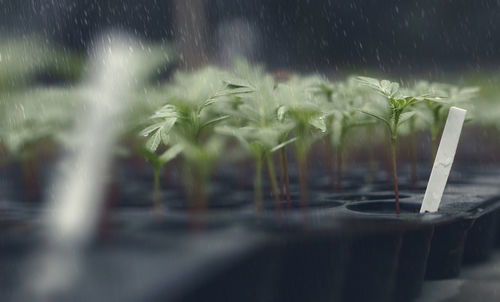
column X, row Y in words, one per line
column 481, row 236
column 389, row 266
column 447, row 246
column 311, row 253
column 448, row 243
column 215, row 202
column 364, row 196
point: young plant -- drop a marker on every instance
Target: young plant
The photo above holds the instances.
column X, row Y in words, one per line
column 185, row 125
column 162, row 123
column 303, row 109
column 260, row 141
column 340, row 109
column 399, row 111
column 35, row 121
column 438, row 110
column 256, row 126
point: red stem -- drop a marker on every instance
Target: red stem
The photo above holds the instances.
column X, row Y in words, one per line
column 395, row 174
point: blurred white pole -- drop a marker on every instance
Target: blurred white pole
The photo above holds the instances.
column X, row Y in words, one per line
column 73, row 210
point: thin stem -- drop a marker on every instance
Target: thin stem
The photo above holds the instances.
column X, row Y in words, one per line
column 371, row 157
column 395, row 174
column 201, row 198
column 282, row 175
column 434, row 148
column 330, row 162
column 339, row 169
column 168, row 180
column 287, row 178
column 304, row 191
column 157, row 204
column 435, row 133
column 272, row 177
column 258, row 185
column 413, row 159
column 30, row 171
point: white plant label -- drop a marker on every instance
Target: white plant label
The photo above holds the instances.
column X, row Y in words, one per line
column 444, row 160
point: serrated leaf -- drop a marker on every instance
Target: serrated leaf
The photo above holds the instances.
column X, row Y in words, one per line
column 148, row 130
column 167, row 111
column 369, row 81
column 281, row 113
column 165, row 138
column 154, row 141
column 168, row 124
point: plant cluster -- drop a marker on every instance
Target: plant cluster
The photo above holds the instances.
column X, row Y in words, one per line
column 202, row 118
column 266, row 117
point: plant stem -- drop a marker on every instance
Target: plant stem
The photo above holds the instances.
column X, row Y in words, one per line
column 31, row 177
column 272, row 178
column 395, row 174
column 435, row 133
column 434, row 148
column 287, row 178
column 156, row 191
column 339, row 169
column 258, row 185
column 200, row 201
column 282, row 175
column 304, row 192
column 371, row 157
column 330, row 161
column 413, row 159
column 168, row 180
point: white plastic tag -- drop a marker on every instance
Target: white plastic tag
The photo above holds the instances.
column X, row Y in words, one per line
column 444, row 160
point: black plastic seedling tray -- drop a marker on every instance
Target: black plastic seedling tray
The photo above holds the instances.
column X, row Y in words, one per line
column 154, row 266
column 337, row 247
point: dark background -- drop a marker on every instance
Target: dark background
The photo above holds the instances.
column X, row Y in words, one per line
column 432, row 36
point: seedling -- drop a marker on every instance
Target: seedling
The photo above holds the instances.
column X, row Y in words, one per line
column 185, row 125
column 438, row 110
column 34, row 121
column 256, row 125
column 163, row 122
column 400, row 111
column 304, row 110
column 260, row 142
column 340, row 110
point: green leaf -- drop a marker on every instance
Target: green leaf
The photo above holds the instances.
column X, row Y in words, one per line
column 231, row 131
column 167, row 111
column 318, row 123
column 171, row 153
column 281, row 113
column 215, row 121
column 165, row 138
column 374, row 83
column 283, row 144
column 151, row 129
column 381, row 118
column 150, row 157
column 154, row 141
column 406, row 116
column 386, row 88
